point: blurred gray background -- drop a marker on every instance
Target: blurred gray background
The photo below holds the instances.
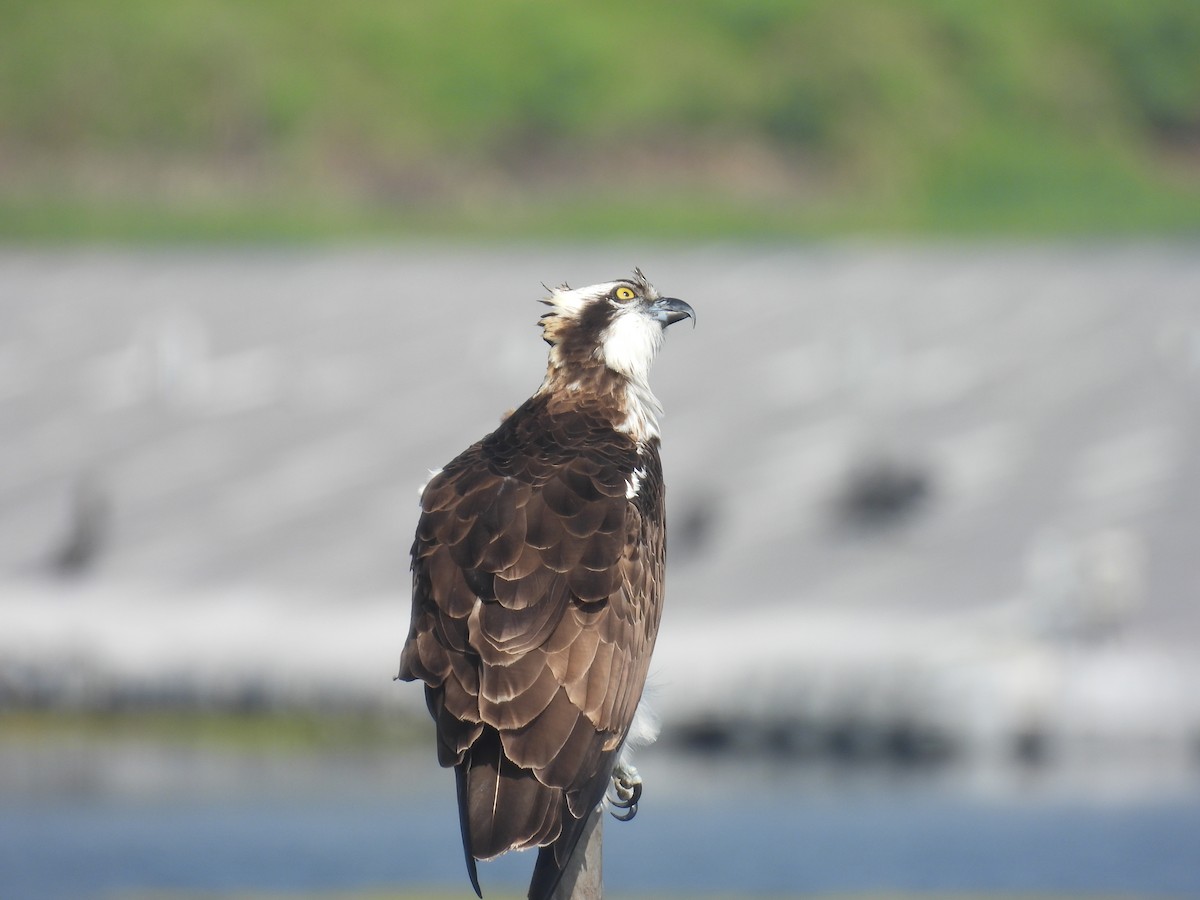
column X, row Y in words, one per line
column 931, row 450
column 931, row 520
column 953, row 488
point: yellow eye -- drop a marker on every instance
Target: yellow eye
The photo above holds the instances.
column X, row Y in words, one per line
column 624, row 293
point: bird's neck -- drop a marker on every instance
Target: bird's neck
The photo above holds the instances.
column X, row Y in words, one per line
column 628, row 404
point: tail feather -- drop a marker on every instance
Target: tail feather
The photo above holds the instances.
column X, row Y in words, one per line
column 502, row 806
column 460, row 778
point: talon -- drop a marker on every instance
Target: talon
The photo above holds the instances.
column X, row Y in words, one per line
column 621, row 797
column 626, row 791
column 635, row 795
column 625, row 816
column 627, row 799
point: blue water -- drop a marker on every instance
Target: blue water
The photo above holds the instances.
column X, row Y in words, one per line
column 85, row 827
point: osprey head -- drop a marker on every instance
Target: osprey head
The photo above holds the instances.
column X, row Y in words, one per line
column 618, row 324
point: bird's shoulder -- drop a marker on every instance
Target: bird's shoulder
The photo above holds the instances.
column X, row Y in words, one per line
column 535, row 449
column 545, row 504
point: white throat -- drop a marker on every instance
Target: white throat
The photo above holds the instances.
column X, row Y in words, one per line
column 628, row 346
column 630, row 342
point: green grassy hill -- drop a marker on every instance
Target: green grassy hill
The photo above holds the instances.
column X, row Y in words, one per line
column 296, row 118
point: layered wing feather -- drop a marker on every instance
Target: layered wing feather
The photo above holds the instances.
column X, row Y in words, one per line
column 536, row 586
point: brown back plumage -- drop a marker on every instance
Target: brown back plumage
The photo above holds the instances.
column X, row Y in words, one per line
column 537, row 579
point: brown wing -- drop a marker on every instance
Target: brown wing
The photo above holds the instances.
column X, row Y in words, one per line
column 535, row 608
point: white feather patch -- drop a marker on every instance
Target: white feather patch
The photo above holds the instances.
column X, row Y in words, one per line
column 645, row 728
column 634, row 484
column 572, row 301
column 642, row 410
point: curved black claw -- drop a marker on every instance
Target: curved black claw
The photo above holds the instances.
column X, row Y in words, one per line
column 625, row 816
column 629, row 804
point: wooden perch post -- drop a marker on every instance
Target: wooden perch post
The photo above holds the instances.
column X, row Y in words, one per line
column 583, row 878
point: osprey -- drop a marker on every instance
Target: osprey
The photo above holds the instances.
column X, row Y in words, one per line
column 538, row 584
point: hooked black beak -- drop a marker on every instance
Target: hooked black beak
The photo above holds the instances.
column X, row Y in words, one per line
column 669, row 310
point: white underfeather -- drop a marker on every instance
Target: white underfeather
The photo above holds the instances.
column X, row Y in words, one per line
column 634, row 484
column 644, row 729
column 433, row 473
